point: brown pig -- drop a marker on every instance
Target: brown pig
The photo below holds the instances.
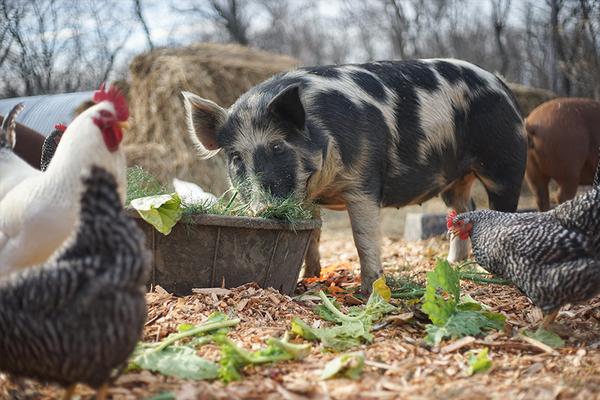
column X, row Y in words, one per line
column 563, row 136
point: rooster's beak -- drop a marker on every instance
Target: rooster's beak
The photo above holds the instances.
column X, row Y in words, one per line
column 123, row 125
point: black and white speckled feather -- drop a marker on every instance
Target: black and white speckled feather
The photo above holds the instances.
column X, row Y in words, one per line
column 49, row 148
column 553, row 257
column 78, row 317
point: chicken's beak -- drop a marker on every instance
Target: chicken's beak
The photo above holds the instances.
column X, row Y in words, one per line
column 123, row 125
column 452, row 233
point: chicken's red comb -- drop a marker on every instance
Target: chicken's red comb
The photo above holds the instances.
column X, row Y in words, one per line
column 115, row 96
column 450, row 218
column 60, row 127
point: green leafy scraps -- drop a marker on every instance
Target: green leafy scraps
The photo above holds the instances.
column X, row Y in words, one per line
column 176, row 354
column 351, row 329
column 349, row 365
column 451, row 316
column 479, row 361
column 545, row 336
column 178, row 361
column 162, row 211
column 234, row 358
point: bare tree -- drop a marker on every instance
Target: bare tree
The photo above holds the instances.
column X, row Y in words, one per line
column 229, row 14
column 399, row 27
column 558, row 49
column 139, row 13
column 500, row 10
column 58, row 45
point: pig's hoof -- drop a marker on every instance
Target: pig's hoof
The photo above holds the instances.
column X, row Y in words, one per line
column 366, row 284
column 312, row 269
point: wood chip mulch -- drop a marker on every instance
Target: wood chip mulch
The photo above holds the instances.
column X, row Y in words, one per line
column 399, row 365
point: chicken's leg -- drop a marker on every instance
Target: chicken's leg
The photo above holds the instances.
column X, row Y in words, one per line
column 69, row 392
column 548, row 319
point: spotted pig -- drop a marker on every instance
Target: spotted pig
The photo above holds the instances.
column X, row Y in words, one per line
column 359, row 137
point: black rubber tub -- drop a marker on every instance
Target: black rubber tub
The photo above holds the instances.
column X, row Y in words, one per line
column 213, row 250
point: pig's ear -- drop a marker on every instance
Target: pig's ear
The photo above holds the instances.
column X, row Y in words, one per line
column 204, row 119
column 288, row 106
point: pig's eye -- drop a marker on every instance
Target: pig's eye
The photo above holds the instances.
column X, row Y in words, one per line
column 235, row 157
column 277, row 148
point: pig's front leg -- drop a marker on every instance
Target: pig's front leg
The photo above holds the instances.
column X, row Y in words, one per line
column 312, row 259
column 364, row 218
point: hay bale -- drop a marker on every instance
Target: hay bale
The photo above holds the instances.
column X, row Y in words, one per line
column 529, row 97
column 158, row 140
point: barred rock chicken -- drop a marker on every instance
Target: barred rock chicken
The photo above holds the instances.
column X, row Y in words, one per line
column 78, row 317
column 553, row 256
column 13, row 169
column 50, row 145
column 38, row 214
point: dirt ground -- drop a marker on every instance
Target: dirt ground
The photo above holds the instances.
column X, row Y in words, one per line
column 399, row 364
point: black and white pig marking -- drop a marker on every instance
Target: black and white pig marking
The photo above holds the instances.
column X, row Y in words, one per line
column 365, row 136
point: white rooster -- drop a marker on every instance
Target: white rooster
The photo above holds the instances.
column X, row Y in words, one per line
column 13, row 169
column 38, row 214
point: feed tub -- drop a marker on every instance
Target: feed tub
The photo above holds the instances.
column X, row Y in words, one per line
column 211, row 250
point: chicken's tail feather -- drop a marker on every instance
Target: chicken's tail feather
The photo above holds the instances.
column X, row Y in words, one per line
column 49, row 147
column 8, row 129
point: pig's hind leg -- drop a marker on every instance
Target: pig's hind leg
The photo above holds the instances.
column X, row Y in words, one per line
column 458, row 197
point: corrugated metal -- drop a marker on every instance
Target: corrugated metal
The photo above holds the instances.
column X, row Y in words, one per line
column 41, row 113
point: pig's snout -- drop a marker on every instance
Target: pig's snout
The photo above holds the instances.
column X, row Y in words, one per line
column 279, row 188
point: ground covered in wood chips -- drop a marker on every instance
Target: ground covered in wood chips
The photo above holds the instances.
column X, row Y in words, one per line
column 399, row 364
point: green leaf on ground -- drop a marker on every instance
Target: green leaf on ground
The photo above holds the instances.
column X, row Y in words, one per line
column 176, row 354
column 235, row 358
column 351, row 329
column 545, row 336
column 453, row 316
column 349, row 365
column 178, row 361
column 479, row 362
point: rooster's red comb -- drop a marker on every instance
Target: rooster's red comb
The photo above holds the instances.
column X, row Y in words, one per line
column 114, row 95
column 60, row 127
column 450, row 218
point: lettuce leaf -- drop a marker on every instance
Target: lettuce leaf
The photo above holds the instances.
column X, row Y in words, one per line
column 349, row 365
column 479, row 362
column 351, row 329
column 235, row 358
column 453, row 316
column 178, row 361
column 545, row 336
column 161, row 211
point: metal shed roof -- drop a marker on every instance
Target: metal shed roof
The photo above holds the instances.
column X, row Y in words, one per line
column 41, row 113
